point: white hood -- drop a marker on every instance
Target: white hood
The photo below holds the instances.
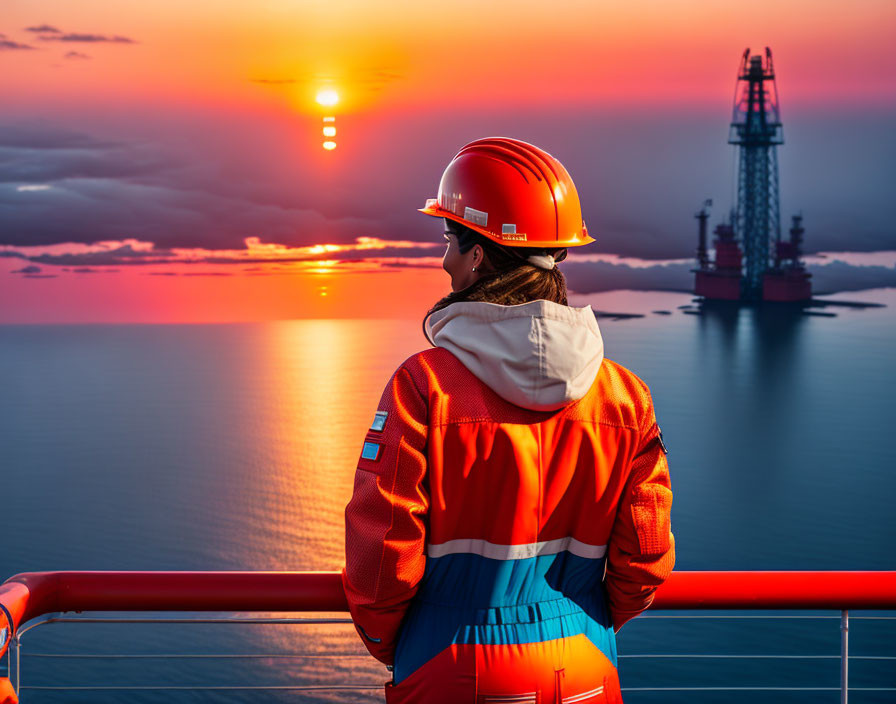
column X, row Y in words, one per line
column 539, row 355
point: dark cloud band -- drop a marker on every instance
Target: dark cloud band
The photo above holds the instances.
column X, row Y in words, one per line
column 9, row 45
column 86, row 38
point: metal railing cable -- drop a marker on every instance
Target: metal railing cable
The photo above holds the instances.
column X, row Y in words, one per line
column 361, row 686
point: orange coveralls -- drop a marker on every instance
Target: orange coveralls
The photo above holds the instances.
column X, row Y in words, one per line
column 491, row 550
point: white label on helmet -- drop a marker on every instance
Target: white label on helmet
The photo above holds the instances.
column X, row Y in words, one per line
column 477, row 217
column 450, row 201
column 508, row 229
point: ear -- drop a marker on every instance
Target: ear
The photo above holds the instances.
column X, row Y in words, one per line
column 478, row 254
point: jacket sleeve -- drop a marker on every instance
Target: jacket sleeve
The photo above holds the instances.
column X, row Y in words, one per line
column 385, row 521
column 641, row 550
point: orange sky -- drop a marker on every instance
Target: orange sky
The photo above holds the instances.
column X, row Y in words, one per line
column 384, row 55
column 214, row 295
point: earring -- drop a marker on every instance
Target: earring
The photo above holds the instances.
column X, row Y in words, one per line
column 474, row 268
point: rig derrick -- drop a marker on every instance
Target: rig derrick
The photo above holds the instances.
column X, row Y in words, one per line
column 752, row 263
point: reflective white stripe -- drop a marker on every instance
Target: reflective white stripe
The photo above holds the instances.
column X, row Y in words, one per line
column 583, row 696
column 516, row 552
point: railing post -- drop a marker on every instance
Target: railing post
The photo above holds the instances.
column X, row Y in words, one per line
column 844, row 655
column 15, row 649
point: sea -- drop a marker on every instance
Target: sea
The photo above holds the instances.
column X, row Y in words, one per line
column 233, row 447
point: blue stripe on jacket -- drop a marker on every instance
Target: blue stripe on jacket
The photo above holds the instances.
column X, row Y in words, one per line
column 467, row 598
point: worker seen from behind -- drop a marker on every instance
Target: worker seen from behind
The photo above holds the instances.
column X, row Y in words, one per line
column 511, row 504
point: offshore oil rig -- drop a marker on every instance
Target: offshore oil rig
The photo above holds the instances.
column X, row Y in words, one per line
column 752, row 262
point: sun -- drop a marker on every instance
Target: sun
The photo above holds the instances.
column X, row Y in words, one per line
column 327, row 97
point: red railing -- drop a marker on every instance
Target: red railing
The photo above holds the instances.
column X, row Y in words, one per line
column 30, row 595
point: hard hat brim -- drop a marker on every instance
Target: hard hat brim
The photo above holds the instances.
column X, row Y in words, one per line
column 437, row 211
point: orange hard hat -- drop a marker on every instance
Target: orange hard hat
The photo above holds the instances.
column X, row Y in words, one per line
column 513, row 193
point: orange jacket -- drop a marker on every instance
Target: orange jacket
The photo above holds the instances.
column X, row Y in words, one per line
column 458, row 471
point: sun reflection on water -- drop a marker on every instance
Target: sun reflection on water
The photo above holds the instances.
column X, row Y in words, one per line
column 318, row 385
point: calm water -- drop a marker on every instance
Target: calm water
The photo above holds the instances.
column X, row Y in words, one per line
column 233, row 447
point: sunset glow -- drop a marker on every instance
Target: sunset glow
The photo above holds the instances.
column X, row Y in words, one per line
column 187, row 153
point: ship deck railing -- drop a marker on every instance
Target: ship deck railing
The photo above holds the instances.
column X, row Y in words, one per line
column 38, row 599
